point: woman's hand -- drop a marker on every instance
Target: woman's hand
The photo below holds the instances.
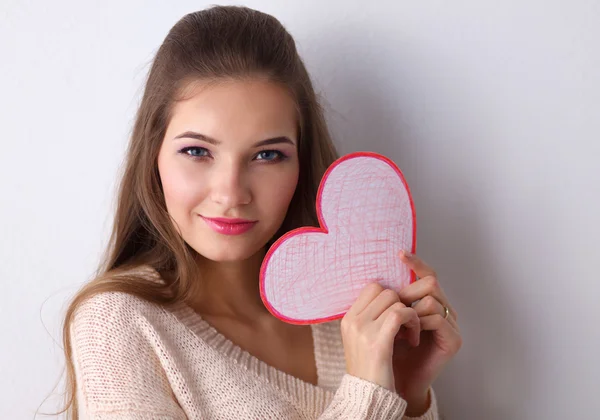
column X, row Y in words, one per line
column 415, row 368
column 369, row 329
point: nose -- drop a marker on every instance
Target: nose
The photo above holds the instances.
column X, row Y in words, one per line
column 229, row 186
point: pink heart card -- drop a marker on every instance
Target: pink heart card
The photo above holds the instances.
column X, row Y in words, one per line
column 366, row 216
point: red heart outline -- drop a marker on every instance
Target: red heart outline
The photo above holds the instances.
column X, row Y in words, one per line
column 323, row 229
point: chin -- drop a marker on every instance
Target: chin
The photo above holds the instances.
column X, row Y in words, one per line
column 223, row 248
column 227, row 257
column 228, row 253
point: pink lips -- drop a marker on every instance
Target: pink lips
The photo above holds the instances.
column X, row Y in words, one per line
column 229, row 226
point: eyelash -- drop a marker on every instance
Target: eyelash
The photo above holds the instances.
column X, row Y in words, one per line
column 185, row 151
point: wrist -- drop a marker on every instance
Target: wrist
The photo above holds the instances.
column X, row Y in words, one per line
column 417, row 403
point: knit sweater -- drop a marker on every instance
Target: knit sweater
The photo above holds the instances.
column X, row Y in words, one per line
column 138, row 360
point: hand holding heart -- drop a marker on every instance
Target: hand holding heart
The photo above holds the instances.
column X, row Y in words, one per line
column 415, row 368
column 399, row 347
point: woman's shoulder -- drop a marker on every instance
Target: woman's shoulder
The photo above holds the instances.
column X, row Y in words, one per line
column 109, row 306
column 116, row 353
column 116, row 309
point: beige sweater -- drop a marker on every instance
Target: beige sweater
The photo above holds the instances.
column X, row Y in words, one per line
column 137, row 360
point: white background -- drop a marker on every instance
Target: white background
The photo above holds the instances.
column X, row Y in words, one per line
column 491, row 110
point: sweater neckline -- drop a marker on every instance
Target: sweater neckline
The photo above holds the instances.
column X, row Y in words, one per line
column 298, row 388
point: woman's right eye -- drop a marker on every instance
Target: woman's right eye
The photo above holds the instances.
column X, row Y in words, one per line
column 195, row 152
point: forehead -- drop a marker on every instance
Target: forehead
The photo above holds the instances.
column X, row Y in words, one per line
column 235, row 108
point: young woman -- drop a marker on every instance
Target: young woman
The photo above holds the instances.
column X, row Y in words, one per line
column 227, row 152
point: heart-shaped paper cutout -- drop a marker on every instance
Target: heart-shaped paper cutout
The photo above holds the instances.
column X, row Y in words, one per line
column 367, row 216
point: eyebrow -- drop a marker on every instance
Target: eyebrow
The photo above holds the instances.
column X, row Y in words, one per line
column 198, row 136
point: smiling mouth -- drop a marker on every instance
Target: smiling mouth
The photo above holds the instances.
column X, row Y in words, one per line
column 229, row 226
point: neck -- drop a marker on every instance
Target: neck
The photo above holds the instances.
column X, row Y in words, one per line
column 231, row 289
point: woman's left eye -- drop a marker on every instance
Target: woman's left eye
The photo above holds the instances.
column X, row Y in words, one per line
column 270, row 155
column 194, row 152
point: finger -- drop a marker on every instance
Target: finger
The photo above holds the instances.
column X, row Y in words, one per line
column 367, row 294
column 429, row 306
column 416, row 264
column 397, row 316
column 453, row 323
column 418, row 290
column 422, row 270
column 450, row 338
column 379, row 304
column 428, row 286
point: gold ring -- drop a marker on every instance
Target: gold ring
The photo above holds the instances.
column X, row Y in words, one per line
column 447, row 312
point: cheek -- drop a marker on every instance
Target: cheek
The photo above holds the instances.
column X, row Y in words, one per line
column 181, row 189
column 279, row 192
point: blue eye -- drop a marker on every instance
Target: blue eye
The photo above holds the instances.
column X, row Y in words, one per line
column 194, row 152
column 270, row 155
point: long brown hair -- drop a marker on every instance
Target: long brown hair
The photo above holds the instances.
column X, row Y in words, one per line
column 208, row 45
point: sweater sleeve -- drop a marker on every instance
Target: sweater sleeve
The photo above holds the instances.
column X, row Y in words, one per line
column 118, row 374
column 358, row 399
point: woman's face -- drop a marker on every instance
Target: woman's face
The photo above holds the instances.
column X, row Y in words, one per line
column 230, row 151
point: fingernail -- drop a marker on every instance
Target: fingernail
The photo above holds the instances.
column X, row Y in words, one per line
column 407, row 254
